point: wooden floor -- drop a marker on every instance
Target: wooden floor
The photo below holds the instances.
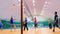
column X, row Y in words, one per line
column 31, row 31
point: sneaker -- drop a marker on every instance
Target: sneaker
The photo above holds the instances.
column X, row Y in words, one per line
column 27, row 29
column 53, row 30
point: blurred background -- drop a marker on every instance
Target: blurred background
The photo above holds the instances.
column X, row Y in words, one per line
column 41, row 9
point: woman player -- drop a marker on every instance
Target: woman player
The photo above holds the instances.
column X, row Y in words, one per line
column 12, row 23
column 1, row 25
column 25, row 24
column 35, row 22
column 49, row 23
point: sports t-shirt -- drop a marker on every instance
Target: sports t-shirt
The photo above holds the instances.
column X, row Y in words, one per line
column 35, row 21
column 11, row 20
column 56, row 19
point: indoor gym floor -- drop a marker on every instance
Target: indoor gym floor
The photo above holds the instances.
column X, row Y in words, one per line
column 31, row 31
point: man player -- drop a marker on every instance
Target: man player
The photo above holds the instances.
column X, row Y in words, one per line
column 55, row 22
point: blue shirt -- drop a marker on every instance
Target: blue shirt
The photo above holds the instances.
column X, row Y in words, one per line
column 11, row 20
column 25, row 20
column 1, row 23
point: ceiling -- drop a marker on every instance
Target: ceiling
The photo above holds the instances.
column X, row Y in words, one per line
column 45, row 8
